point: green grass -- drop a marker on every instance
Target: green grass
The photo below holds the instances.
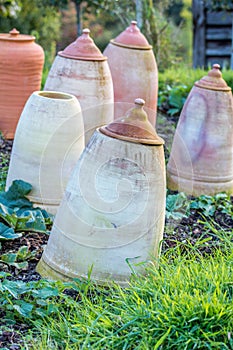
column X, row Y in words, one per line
column 185, row 305
column 184, row 302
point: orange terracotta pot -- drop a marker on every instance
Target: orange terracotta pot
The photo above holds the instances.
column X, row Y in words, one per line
column 134, row 71
column 201, row 159
column 21, row 65
column 81, row 70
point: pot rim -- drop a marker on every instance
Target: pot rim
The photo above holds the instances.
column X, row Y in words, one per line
column 61, row 54
column 106, row 132
column 134, row 47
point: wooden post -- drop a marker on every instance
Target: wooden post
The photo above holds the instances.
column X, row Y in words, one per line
column 199, row 43
column 231, row 63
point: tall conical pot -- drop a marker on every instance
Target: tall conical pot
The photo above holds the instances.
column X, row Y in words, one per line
column 81, row 69
column 134, row 71
column 201, row 158
column 48, row 142
column 21, row 65
column 111, row 218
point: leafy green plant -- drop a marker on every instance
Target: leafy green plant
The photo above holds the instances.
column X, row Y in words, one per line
column 176, row 83
column 171, row 99
column 209, row 204
column 176, row 206
column 176, row 99
column 18, row 214
column 19, row 259
column 7, row 233
column 22, row 301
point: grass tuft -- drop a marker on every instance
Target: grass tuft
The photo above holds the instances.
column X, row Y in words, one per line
column 185, row 304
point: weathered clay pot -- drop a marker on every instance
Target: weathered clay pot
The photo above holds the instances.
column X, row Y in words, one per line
column 134, row 71
column 21, row 65
column 112, row 213
column 201, row 159
column 81, row 69
column 48, row 142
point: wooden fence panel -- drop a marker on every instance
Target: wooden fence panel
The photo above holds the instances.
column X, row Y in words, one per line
column 212, row 36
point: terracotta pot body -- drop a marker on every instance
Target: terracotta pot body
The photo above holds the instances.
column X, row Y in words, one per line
column 48, row 142
column 112, row 213
column 201, row 159
column 134, row 72
column 83, row 71
column 21, row 65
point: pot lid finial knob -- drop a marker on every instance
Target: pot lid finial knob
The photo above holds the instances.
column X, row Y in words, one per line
column 213, row 80
column 139, row 102
column 132, row 37
column 134, row 126
column 215, row 72
column 14, row 32
column 86, row 31
column 83, row 48
column 133, row 26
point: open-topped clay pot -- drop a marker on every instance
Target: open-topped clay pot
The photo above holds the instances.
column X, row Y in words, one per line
column 112, row 215
column 48, row 142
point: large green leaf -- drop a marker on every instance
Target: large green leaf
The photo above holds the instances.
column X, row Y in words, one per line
column 31, row 220
column 17, row 259
column 23, row 308
column 176, row 206
column 15, row 196
column 24, row 253
column 8, row 215
column 18, row 213
column 46, row 292
column 7, row 232
column 11, row 260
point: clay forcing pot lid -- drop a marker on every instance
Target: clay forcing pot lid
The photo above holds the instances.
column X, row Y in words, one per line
column 133, row 127
column 83, row 48
column 214, row 80
column 14, row 35
column 132, row 38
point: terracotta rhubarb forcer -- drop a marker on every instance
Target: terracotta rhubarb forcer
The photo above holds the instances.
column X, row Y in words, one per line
column 134, row 71
column 48, row 141
column 201, row 159
column 21, row 65
column 81, row 69
column 134, row 127
column 112, row 215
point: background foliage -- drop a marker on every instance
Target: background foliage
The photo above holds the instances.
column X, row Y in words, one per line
column 175, row 84
column 164, row 23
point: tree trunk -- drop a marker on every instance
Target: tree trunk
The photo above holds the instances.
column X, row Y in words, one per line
column 79, row 16
column 139, row 13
